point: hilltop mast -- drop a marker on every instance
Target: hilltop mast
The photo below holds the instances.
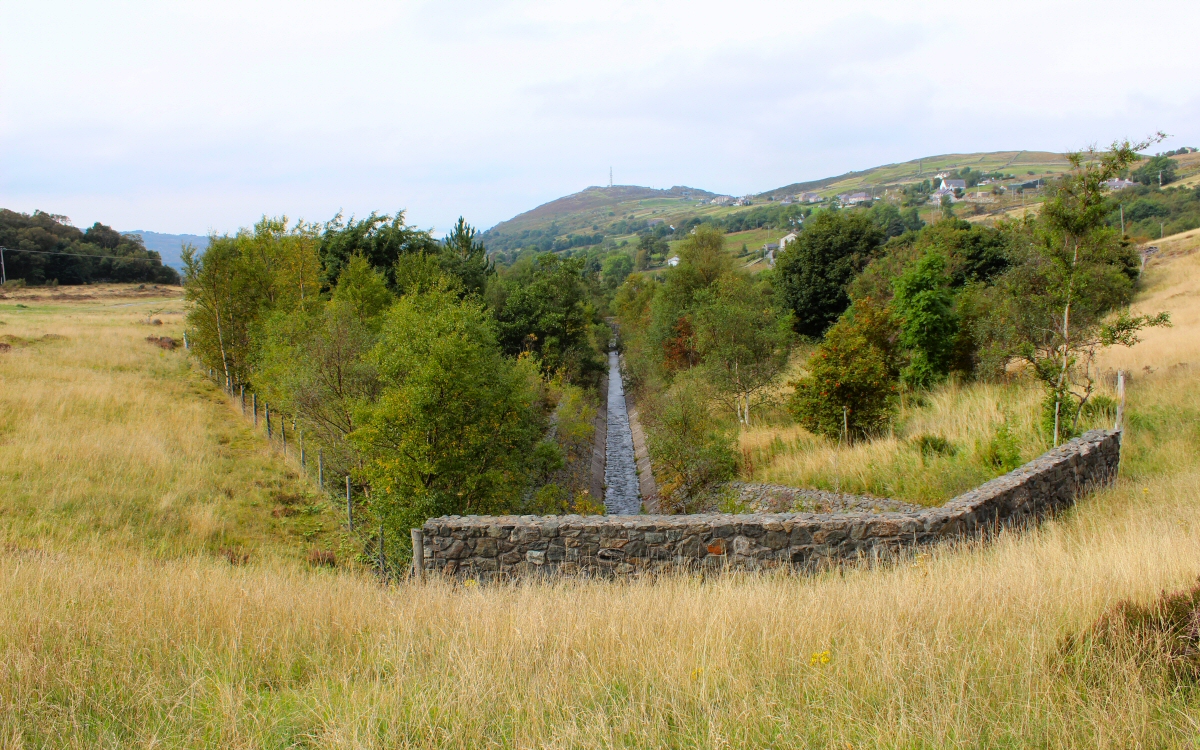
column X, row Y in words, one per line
column 610, row 176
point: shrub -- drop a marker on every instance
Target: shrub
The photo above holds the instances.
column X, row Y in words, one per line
column 1002, row 452
column 933, row 445
column 692, row 448
column 851, row 384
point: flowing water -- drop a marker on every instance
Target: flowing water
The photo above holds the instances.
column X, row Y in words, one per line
column 621, row 496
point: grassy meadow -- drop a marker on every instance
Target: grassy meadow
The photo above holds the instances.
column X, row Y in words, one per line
column 123, row 626
column 109, row 441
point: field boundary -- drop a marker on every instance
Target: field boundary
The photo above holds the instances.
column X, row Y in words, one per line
column 491, row 547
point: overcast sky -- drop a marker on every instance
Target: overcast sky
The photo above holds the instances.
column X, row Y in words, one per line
column 199, row 116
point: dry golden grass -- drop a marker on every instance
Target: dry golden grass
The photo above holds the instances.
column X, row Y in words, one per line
column 963, row 647
column 107, row 439
column 892, row 466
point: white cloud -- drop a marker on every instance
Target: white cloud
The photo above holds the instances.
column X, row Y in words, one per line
column 197, row 116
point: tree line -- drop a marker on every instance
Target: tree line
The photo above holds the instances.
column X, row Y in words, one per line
column 42, row 248
column 411, row 364
column 890, row 309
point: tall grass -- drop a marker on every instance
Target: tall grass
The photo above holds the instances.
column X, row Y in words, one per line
column 961, row 647
column 107, row 439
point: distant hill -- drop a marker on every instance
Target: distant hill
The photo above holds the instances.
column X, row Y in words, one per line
column 598, row 213
column 575, row 220
column 1019, row 163
column 169, row 246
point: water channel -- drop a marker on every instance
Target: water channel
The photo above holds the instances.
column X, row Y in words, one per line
column 621, row 494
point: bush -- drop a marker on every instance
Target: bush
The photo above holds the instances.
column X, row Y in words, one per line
column 1066, row 416
column 933, row 445
column 1002, row 452
column 851, row 383
column 692, row 448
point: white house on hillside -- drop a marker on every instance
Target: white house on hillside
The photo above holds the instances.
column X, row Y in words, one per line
column 673, row 261
column 787, row 239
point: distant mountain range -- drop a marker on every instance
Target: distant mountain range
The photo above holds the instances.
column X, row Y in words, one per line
column 170, row 246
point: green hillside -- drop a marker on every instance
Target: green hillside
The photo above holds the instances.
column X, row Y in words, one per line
column 596, row 214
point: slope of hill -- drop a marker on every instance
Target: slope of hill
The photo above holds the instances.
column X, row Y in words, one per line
column 169, row 246
column 107, row 641
column 598, row 213
column 1021, row 164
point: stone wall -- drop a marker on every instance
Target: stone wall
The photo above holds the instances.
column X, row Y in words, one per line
column 489, row 547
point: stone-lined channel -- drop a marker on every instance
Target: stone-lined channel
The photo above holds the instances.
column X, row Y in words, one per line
column 621, row 495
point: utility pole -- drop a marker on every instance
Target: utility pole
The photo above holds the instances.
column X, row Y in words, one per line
column 1122, row 219
column 3, row 273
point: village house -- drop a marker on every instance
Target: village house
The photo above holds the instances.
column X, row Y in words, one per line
column 788, row 239
column 853, row 199
column 1118, row 183
column 809, row 198
column 673, row 261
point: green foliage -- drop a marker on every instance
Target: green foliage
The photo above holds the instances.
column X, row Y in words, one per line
column 77, row 261
column 241, row 280
column 545, row 309
column 850, row 382
column 463, row 257
column 1057, row 418
column 1150, row 211
column 892, row 221
column 380, row 239
column 742, row 339
column 1002, row 451
column 812, row 274
column 930, row 446
column 363, row 289
column 616, row 269
column 692, row 449
column 1070, row 271
column 924, row 305
column 1153, row 169
column 456, row 424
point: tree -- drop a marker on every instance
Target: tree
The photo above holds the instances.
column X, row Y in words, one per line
column 924, row 306
column 380, row 239
column 691, row 448
column 1073, row 270
column 742, row 339
column 811, row 275
column 455, row 426
column 547, row 312
column 1156, row 167
column 702, row 260
column 616, row 267
column 649, row 245
column 849, row 389
column 42, row 248
column 464, row 258
column 239, row 281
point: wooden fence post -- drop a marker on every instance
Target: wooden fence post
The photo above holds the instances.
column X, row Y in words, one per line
column 418, row 545
column 1120, row 400
column 254, row 408
column 267, row 417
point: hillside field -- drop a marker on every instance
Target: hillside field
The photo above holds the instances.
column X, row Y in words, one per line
column 124, row 473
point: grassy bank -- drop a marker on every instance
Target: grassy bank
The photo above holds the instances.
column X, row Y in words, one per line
column 103, row 643
column 979, row 422
column 107, row 439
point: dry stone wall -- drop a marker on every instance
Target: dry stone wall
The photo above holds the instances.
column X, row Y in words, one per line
column 489, row 547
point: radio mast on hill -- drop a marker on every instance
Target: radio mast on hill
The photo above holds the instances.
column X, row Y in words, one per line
column 610, row 176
